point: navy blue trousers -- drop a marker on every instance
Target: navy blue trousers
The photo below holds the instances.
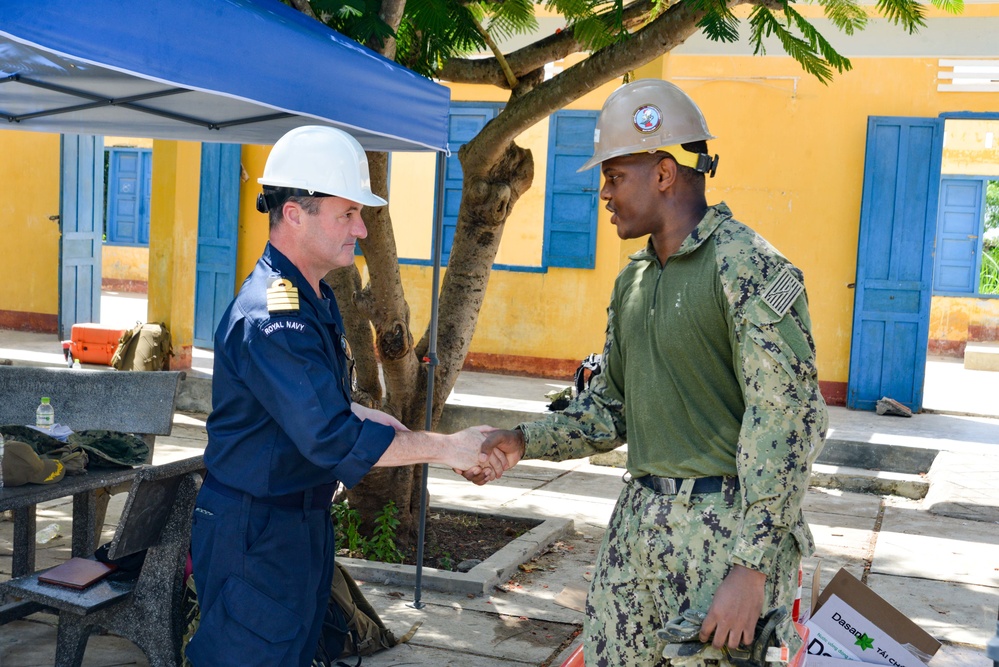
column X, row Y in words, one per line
column 263, row 575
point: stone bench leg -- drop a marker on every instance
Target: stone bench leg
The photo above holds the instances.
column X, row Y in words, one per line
column 101, row 500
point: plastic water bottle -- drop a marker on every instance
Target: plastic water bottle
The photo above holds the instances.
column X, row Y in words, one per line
column 76, row 364
column 1, row 460
column 45, row 414
column 47, row 534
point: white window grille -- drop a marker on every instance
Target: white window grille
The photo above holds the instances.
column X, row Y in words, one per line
column 968, row 76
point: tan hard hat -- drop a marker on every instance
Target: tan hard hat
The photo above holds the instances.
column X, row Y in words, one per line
column 646, row 115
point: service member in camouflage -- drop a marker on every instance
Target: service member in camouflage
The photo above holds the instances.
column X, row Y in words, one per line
column 709, row 376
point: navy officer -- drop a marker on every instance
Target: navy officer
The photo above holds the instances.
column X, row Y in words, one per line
column 283, row 430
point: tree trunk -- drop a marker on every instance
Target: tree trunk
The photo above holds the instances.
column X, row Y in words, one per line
column 496, row 173
column 387, row 351
column 489, row 190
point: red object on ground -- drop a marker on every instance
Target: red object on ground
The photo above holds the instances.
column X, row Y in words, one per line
column 94, row 343
column 575, row 658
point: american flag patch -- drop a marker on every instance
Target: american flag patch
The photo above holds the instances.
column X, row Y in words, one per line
column 781, row 293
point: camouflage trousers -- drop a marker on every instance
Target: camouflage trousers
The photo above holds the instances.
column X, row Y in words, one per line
column 662, row 555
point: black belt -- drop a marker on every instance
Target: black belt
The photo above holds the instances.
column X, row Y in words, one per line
column 670, row 486
column 318, row 498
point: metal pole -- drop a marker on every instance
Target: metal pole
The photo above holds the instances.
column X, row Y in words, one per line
column 436, row 250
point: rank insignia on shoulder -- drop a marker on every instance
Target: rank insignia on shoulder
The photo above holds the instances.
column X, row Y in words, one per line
column 282, row 296
column 782, row 291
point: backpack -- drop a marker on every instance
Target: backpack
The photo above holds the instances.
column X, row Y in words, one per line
column 592, row 363
column 145, row 347
column 352, row 627
column 560, row 399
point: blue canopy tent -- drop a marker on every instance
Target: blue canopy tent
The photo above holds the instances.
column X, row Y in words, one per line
column 238, row 71
column 231, row 71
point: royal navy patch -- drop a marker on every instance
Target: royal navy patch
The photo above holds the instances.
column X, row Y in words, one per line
column 282, row 296
column 782, row 291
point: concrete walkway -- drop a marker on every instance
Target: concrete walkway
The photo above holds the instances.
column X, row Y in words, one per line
column 934, row 559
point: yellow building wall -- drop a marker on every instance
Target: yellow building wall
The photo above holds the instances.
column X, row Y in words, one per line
column 125, row 268
column 253, row 225
column 971, row 147
column 955, row 321
column 29, row 297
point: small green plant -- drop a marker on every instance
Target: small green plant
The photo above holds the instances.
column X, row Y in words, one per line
column 382, row 546
column 990, row 271
column 348, row 523
column 447, row 561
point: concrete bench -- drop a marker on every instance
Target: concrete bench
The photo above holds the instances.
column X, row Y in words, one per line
column 132, row 402
column 146, row 611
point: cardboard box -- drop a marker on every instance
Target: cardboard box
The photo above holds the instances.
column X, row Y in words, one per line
column 842, row 633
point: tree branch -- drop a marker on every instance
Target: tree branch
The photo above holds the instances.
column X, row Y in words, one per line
column 511, row 80
column 304, row 7
column 658, row 37
column 533, row 56
column 391, row 13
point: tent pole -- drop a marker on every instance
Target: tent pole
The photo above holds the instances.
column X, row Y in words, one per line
column 436, row 244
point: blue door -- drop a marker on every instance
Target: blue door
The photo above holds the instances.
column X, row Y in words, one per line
column 218, row 216
column 129, row 181
column 891, row 311
column 464, row 122
column 570, row 197
column 81, row 216
column 957, row 248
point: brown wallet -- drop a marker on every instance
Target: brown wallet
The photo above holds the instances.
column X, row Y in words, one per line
column 78, row 573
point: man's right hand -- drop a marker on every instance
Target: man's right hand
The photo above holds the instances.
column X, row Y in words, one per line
column 505, row 445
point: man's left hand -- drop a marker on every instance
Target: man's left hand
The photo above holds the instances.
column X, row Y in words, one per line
column 737, row 606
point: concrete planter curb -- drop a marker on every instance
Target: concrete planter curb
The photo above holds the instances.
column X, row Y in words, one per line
column 480, row 579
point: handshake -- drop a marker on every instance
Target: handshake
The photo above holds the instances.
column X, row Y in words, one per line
column 485, row 453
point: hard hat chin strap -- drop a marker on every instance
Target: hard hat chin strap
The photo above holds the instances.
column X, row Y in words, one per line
column 699, row 162
column 272, row 198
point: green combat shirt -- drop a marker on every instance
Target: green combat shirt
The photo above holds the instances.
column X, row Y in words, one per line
column 709, row 369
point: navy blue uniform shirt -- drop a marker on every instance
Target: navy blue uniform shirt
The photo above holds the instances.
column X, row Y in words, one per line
column 281, row 420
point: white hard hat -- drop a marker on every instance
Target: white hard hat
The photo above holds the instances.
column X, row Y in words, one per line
column 317, row 160
column 646, row 116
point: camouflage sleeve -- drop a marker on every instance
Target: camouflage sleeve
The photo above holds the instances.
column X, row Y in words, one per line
column 782, row 428
column 593, row 422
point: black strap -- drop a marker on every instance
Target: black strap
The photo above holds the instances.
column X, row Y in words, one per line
column 670, row 486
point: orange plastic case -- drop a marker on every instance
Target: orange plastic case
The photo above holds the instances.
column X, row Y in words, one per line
column 94, row 343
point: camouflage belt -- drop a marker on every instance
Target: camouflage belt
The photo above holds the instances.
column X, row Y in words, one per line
column 670, row 486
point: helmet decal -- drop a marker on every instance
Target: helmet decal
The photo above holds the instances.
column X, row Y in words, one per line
column 647, row 118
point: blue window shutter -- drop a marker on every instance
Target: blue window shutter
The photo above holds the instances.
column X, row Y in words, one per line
column 571, row 198
column 464, row 122
column 129, row 186
column 958, row 231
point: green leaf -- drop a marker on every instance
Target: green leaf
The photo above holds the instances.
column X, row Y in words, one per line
column 907, row 13
column 846, row 15
column 764, row 24
column 951, row 6
column 719, row 23
column 512, row 17
column 816, row 40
